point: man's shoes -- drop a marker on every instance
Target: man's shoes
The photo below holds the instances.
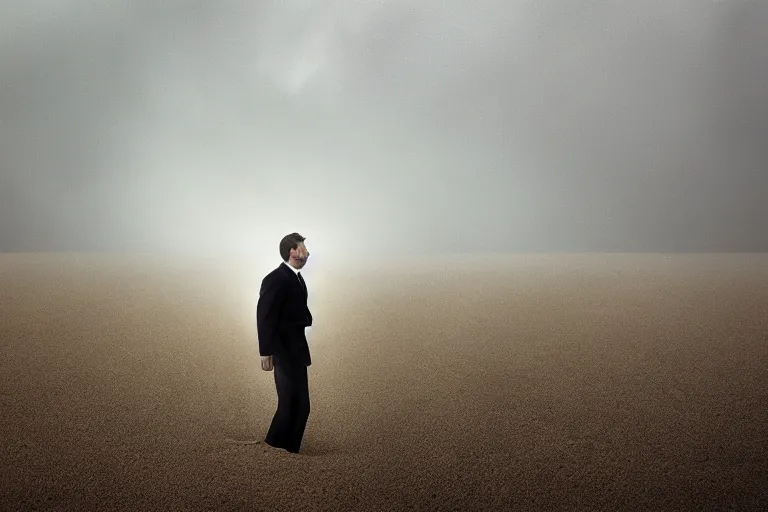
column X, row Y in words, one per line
column 280, row 447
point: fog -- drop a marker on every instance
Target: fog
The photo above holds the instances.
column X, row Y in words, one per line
column 384, row 127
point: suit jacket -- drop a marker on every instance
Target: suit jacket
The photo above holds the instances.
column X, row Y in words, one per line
column 281, row 316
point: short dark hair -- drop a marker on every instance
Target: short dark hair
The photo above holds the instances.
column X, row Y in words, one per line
column 289, row 242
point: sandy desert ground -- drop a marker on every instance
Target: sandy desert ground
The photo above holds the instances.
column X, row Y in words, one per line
column 521, row 382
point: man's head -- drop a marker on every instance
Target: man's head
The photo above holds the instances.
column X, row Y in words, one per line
column 293, row 251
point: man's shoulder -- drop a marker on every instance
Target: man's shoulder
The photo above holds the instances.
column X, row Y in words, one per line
column 277, row 273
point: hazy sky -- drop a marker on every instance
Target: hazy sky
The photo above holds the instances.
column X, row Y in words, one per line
column 430, row 125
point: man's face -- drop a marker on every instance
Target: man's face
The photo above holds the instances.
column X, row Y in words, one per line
column 299, row 255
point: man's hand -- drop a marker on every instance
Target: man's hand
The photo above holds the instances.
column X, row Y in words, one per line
column 266, row 363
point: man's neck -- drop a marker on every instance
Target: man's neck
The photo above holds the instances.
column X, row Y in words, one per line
column 295, row 270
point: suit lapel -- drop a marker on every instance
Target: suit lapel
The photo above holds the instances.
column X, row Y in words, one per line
column 290, row 274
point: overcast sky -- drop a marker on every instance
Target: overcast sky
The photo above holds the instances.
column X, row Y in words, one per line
column 402, row 126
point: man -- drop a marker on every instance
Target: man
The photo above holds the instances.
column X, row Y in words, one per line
column 281, row 316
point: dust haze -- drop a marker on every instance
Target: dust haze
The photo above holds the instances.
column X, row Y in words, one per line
column 422, row 127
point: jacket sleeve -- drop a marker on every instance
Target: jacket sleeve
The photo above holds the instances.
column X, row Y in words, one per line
column 268, row 309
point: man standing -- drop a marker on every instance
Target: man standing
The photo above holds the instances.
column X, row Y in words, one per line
column 281, row 316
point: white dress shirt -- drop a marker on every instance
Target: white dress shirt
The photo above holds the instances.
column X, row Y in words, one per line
column 296, row 271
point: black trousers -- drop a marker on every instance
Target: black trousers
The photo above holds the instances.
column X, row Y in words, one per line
column 290, row 419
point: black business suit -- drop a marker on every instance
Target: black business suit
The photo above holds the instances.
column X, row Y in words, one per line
column 281, row 316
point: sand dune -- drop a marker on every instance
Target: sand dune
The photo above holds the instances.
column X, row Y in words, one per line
column 527, row 382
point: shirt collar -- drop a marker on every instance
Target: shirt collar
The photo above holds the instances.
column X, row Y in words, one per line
column 295, row 270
